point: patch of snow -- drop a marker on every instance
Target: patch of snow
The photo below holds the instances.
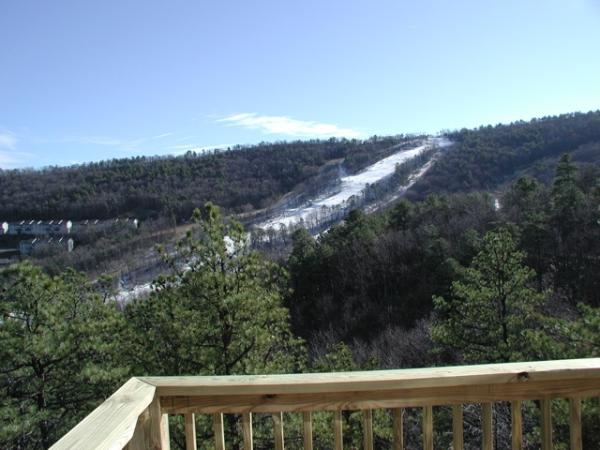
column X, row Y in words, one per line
column 126, row 295
column 353, row 186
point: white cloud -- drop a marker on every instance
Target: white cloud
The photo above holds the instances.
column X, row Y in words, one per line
column 10, row 159
column 288, row 126
column 126, row 145
column 8, row 141
column 9, row 156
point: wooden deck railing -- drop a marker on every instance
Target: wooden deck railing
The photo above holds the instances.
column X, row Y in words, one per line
column 135, row 417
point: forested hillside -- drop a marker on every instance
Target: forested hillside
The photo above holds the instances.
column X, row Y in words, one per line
column 484, row 158
column 239, row 179
column 466, row 276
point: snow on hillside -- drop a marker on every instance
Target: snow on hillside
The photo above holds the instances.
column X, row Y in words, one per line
column 350, row 186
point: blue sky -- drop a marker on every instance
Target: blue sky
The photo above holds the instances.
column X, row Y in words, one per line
column 90, row 80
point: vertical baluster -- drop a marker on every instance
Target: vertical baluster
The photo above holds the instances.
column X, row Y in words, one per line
column 398, row 428
column 159, row 426
column 247, row 431
column 516, row 419
column 219, row 431
column 338, row 437
column 546, row 406
column 368, row 429
column 428, row 428
column 457, row 427
column 190, row 432
column 575, row 409
column 278, row 431
column 307, row 434
column 486, row 419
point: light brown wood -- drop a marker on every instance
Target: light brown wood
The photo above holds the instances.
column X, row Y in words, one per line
column 368, row 429
column 190, row 432
column 266, row 403
column 112, row 424
column 307, row 434
column 516, row 419
column 278, row 431
column 247, row 431
column 338, row 434
column 428, row 428
column 546, row 409
column 135, row 416
column 487, row 426
column 141, row 435
column 219, row 431
column 437, row 377
column 575, row 426
column 457, row 427
column 159, row 426
column 398, row 424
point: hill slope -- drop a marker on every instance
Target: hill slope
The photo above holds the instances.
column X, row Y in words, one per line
column 239, row 179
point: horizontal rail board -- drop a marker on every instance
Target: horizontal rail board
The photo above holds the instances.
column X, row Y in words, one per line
column 402, row 398
column 377, row 379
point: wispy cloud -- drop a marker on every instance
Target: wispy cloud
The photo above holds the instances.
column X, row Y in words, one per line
column 8, row 141
column 288, row 126
column 124, row 144
column 9, row 156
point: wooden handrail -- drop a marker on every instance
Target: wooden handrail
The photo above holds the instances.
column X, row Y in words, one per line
column 135, row 416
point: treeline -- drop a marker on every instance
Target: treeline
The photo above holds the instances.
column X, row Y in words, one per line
column 239, row 179
column 484, row 158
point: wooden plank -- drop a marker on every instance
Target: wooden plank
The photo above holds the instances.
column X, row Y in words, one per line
column 219, row 431
column 278, row 431
column 141, row 435
column 113, row 423
column 457, row 427
column 378, row 380
column 487, row 426
column 516, row 419
column 307, row 433
column 575, row 425
column 190, row 432
column 338, row 433
column 398, row 425
column 247, row 431
column 333, row 401
column 368, row 429
column 158, row 426
column 428, row 428
column 546, row 409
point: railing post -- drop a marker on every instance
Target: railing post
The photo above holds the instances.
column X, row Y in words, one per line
column 307, row 431
column 141, row 435
column 278, row 431
column 516, row 419
column 338, row 437
column 159, row 426
column 247, row 431
column 546, row 407
column 457, row 427
column 398, row 428
column 575, row 425
column 368, row 429
column 487, row 425
column 190, row 432
column 428, row 428
column 219, row 431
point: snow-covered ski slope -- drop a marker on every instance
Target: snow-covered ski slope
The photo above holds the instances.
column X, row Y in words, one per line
column 351, row 186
